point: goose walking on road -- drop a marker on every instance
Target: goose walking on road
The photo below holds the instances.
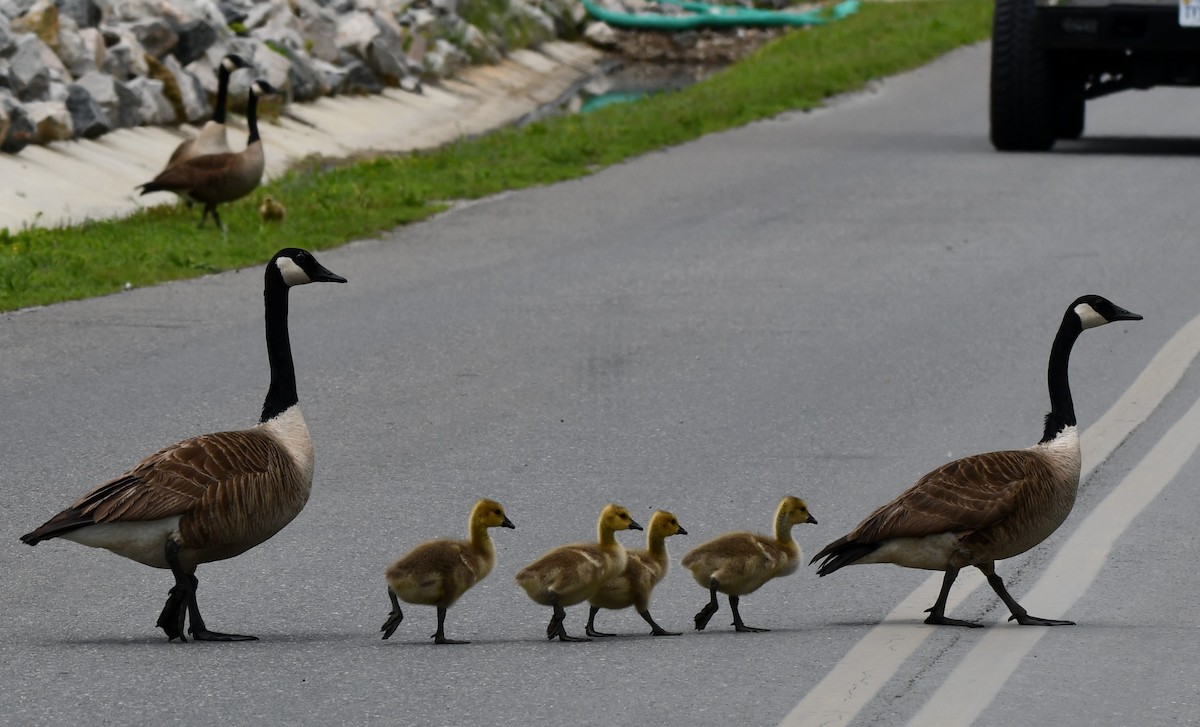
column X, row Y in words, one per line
column 214, row 496
column 986, row 507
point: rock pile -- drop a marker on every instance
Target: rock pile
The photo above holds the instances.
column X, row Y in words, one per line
column 81, row 68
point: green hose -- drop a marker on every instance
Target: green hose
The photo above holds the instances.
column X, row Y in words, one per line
column 706, row 15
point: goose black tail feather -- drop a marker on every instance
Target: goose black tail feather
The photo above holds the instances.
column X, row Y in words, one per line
column 60, row 524
column 841, row 552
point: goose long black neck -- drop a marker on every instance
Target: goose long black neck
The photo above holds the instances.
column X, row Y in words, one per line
column 222, row 93
column 252, row 117
column 1062, row 407
column 282, row 393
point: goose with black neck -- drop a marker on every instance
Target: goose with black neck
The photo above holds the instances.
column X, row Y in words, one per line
column 213, row 496
column 214, row 179
column 986, row 507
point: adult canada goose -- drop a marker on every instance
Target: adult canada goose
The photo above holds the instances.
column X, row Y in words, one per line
column 738, row 564
column 643, row 571
column 212, row 139
column 437, row 572
column 216, row 178
column 213, row 496
column 571, row 574
column 986, row 507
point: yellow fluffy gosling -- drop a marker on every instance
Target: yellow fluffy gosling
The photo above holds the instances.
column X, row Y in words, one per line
column 272, row 210
column 437, row 572
column 571, row 574
column 644, row 569
column 738, row 564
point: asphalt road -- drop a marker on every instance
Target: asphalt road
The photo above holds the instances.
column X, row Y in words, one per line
column 825, row 304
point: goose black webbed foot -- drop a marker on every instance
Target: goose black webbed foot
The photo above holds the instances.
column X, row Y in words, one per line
column 171, row 620
column 206, row 635
column 1027, row 620
column 938, row 619
column 441, row 639
column 184, row 594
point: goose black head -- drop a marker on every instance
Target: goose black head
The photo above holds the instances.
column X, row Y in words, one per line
column 298, row 267
column 232, row 61
column 261, row 87
column 1095, row 310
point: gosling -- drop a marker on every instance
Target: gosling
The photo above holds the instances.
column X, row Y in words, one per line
column 272, row 210
column 644, row 569
column 738, row 564
column 572, row 574
column 437, row 572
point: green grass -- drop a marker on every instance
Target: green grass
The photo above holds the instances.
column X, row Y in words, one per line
column 328, row 206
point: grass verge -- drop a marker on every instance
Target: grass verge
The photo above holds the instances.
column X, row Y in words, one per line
column 330, row 206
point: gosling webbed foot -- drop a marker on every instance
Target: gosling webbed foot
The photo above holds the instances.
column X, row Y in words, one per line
column 394, row 617
column 738, row 624
column 702, row 618
column 655, row 629
column 559, row 631
column 393, row 622
column 590, row 629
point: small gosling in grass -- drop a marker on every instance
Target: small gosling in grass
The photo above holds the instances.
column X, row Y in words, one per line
column 437, row 572
column 644, row 569
column 738, row 564
column 571, row 574
column 272, row 210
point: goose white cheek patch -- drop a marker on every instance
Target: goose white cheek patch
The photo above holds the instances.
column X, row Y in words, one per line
column 1089, row 317
column 292, row 273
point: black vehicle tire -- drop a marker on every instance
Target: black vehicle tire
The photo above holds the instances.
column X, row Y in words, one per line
column 1024, row 112
column 1070, row 107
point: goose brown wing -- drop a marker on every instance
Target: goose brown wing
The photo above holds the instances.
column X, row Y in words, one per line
column 962, row 496
column 195, row 172
column 173, row 481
